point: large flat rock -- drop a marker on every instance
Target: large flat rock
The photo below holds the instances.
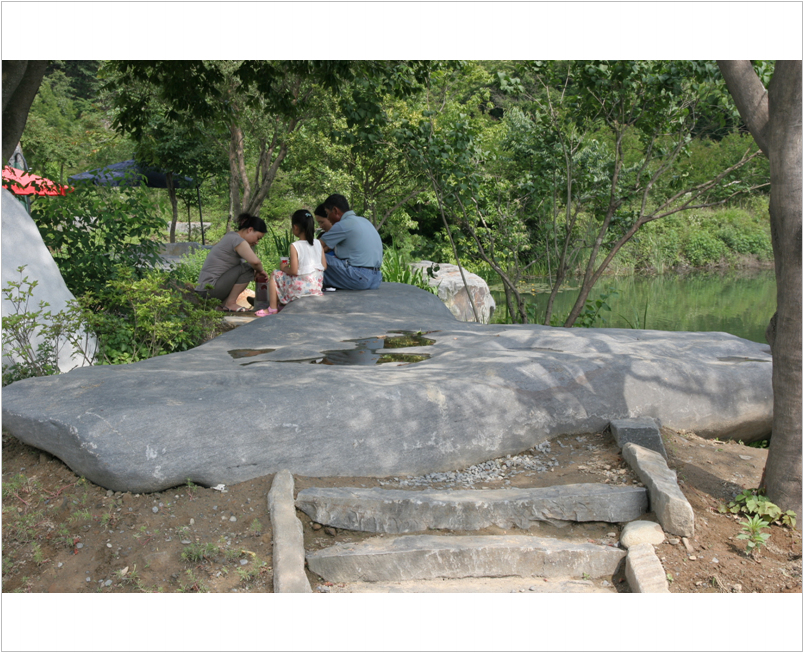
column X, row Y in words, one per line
column 486, row 391
column 417, row 557
column 401, row 511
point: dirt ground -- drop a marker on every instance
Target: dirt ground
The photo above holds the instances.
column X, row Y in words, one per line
column 62, row 533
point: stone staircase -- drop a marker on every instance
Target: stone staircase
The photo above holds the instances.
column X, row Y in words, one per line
column 416, row 550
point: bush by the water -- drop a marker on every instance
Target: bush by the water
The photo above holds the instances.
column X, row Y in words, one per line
column 703, row 238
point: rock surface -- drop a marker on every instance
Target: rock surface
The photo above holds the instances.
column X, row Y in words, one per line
column 644, row 571
column 641, row 532
column 416, row 557
column 403, row 511
column 453, row 292
column 486, row 391
column 667, row 501
column 288, row 537
column 643, row 431
column 23, row 245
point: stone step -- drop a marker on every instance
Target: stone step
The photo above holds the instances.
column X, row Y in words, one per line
column 378, row 510
column 509, row 584
column 423, row 557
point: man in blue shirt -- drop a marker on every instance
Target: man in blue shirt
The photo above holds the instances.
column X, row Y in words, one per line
column 356, row 248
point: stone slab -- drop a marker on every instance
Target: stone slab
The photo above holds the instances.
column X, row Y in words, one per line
column 671, row 507
column 288, row 537
column 417, row 557
column 486, row 391
column 643, row 570
column 400, row 511
column 643, row 431
column 641, row 532
column 477, row 585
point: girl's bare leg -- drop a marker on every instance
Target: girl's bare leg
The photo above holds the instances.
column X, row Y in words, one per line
column 273, row 299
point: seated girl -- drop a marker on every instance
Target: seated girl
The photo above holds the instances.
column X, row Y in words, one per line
column 304, row 274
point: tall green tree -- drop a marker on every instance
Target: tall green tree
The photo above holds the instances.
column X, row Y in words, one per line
column 259, row 105
column 773, row 115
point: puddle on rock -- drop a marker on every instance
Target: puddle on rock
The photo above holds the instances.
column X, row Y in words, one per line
column 246, row 353
column 368, row 351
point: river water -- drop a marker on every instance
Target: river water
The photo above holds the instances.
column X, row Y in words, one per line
column 738, row 302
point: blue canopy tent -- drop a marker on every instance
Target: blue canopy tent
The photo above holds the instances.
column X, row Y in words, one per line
column 131, row 173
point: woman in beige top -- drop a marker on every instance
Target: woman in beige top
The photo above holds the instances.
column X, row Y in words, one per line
column 224, row 275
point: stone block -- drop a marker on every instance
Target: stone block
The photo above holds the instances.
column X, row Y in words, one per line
column 487, row 390
column 402, row 511
column 455, row 294
column 288, row 537
column 418, row 557
column 643, row 431
column 667, row 502
column 643, row 570
column 641, row 532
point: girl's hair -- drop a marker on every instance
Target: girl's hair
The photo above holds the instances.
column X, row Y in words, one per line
column 303, row 219
column 246, row 220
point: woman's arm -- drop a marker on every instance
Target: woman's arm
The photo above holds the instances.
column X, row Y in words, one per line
column 245, row 251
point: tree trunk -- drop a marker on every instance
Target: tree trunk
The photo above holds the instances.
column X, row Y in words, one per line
column 782, row 474
column 777, row 130
column 171, row 189
column 21, row 80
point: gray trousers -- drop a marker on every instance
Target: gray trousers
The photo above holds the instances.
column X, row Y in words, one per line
column 242, row 273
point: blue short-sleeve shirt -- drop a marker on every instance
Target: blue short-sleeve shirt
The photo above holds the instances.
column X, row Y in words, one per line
column 355, row 240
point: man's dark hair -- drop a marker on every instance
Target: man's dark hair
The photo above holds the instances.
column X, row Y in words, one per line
column 336, row 202
column 319, row 211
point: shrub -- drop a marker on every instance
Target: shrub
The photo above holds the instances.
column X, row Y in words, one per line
column 54, row 330
column 702, row 248
column 135, row 319
column 94, row 229
column 396, row 268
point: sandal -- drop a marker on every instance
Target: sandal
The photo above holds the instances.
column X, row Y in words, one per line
column 240, row 309
column 266, row 311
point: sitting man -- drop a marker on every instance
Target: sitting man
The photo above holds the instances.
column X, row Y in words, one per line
column 356, row 257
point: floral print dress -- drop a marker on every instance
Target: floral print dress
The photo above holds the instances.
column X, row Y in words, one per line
column 290, row 287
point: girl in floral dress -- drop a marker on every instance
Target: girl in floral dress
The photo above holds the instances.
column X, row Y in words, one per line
column 304, row 274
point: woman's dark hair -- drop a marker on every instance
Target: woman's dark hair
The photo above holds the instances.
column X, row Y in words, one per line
column 320, row 211
column 303, row 219
column 246, row 220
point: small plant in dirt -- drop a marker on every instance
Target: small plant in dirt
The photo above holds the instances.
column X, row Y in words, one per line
column 256, row 526
column 198, row 552
column 752, row 503
column 193, row 584
column 752, row 532
column 248, row 574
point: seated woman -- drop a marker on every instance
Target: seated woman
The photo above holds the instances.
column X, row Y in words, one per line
column 224, row 276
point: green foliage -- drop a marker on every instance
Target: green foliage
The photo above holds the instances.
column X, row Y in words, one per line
column 24, row 325
column 94, row 229
column 751, row 502
column 197, row 552
column 188, row 269
column 752, row 532
column 146, row 317
column 703, row 248
column 396, row 268
column 594, row 308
